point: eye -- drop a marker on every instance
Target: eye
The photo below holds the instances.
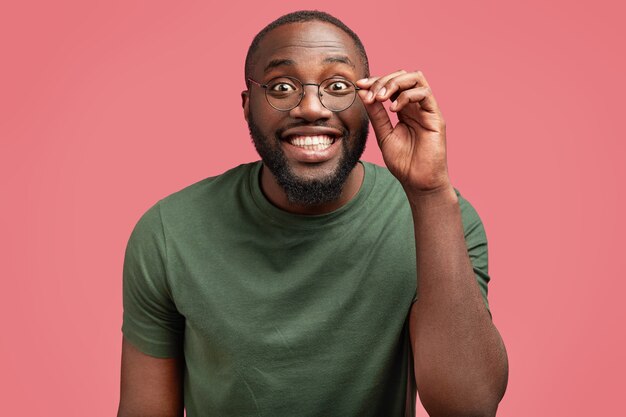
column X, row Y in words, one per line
column 338, row 85
column 282, row 87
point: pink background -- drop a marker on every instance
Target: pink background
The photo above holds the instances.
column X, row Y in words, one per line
column 106, row 107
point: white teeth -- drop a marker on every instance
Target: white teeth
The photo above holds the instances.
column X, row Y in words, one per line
column 318, row 142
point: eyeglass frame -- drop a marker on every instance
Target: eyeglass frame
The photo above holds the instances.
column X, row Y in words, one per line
column 319, row 93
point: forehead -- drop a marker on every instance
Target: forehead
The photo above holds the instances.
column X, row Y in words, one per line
column 306, row 45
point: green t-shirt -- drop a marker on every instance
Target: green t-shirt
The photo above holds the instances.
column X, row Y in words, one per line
column 279, row 314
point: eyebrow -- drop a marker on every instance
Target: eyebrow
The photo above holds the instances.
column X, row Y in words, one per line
column 340, row 59
column 278, row 63
column 335, row 59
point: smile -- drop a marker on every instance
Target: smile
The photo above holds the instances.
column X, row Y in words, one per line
column 313, row 143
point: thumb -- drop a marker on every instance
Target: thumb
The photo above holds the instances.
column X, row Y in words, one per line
column 378, row 116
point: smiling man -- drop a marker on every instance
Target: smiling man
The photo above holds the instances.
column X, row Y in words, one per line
column 312, row 283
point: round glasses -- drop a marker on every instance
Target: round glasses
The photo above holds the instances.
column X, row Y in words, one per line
column 285, row 93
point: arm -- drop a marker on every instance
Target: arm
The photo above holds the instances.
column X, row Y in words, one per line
column 460, row 362
column 152, row 353
column 459, row 358
column 149, row 386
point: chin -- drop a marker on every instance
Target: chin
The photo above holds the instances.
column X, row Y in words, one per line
column 314, row 183
column 314, row 172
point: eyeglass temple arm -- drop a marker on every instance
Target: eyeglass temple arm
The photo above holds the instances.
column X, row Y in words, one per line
column 257, row 83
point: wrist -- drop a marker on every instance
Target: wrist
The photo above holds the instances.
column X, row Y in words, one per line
column 441, row 196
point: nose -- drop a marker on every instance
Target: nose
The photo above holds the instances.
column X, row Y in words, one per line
column 310, row 107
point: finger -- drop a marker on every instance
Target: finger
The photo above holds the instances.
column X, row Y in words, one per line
column 378, row 87
column 422, row 78
column 363, row 86
column 378, row 117
column 428, row 103
column 432, row 121
column 394, row 86
column 375, row 86
column 366, row 82
column 405, row 82
column 414, row 95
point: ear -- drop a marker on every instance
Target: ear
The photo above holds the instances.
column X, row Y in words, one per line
column 245, row 103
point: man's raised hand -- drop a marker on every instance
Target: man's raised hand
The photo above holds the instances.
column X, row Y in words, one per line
column 414, row 149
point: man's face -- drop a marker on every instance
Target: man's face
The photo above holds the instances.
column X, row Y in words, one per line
column 311, row 52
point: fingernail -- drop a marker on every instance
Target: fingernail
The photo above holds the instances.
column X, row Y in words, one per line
column 370, row 96
column 382, row 92
column 362, row 80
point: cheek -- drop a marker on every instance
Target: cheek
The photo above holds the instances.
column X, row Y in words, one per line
column 264, row 116
column 355, row 118
column 256, row 108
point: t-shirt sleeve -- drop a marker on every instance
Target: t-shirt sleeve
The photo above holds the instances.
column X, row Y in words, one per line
column 476, row 241
column 151, row 321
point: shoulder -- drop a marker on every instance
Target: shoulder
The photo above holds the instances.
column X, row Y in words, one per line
column 386, row 187
column 194, row 202
column 389, row 189
column 472, row 223
column 207, row 189
column 383, row 176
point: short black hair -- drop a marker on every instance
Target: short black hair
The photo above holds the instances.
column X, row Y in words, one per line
column 298, row 17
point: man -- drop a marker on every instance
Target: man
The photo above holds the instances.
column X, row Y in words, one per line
column 314, row 284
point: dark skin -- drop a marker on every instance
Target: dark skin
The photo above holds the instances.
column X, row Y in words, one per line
column 300, row 45
column 150, row 386
column 460, row 361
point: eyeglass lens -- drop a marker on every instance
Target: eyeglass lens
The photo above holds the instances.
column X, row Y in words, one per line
column 285, row 93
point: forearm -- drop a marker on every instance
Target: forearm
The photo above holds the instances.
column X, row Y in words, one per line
column 459, row 358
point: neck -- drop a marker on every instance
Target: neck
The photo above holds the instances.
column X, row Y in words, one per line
column 276, row 195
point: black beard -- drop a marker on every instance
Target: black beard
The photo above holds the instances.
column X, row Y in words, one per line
column 309, row 192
